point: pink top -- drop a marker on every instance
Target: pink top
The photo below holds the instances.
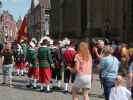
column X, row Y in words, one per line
column 83, row 67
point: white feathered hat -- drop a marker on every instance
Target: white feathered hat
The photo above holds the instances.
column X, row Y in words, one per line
column 45, row 38
column 33, row 42
column 66, row 41
column 61, row 43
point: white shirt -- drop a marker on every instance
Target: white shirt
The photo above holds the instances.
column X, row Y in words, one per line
column 120, row 93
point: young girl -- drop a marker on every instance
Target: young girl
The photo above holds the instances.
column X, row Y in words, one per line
column 83, row 67
column 119, row 92
column 7, row 62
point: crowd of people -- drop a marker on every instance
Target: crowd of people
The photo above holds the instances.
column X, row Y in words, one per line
column 55, row 65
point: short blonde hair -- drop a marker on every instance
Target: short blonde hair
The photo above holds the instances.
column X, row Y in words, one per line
column 119, row 80
column 100, row 42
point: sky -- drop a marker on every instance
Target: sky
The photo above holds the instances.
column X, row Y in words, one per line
column 16, row 7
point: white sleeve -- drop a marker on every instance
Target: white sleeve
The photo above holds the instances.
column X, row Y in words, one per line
column 112, row 94
column 128, row 93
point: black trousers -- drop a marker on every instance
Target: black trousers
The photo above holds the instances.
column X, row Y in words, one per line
column 67, row 75
column 56, row 73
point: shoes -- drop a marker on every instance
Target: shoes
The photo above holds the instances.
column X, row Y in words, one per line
column 29, row 86
column 34, row 87
column 49, row 91
column 56, row 88
column 17, row 75
column 42, row 90
column 65, row 91
column 23, row 75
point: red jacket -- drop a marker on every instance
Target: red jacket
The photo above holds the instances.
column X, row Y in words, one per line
column 69, row 56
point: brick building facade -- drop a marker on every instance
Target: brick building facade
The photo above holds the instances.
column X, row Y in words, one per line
column 37, row 18
column 8, row 27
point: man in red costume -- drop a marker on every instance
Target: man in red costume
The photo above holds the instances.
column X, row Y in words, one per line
column 69, row 55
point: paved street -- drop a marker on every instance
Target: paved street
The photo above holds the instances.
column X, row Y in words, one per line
column 20, row 92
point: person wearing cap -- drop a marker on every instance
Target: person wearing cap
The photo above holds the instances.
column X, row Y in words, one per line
column 19, row 60
column 33, row 71
column 45, row 64
column 56, row 71
column 69, row 55
column 24, row 46
column 119, row 92
column 109, row 66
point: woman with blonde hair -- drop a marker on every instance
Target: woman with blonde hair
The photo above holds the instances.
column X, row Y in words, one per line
column 83, row 68
column 109, row 66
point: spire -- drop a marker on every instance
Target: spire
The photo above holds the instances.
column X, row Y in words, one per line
column 32, row 4
column 0, row 4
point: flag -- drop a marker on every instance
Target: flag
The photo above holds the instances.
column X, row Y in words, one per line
column 22, row 33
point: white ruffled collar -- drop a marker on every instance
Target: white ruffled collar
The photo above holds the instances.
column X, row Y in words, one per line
column 71, row 48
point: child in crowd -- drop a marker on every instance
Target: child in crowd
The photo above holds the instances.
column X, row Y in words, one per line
column 7, row 62
column 119, row 92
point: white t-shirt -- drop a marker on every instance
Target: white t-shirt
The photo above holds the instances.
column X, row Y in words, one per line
column 120, row 93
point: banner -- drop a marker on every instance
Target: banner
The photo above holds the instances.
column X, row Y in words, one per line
column 22, row 33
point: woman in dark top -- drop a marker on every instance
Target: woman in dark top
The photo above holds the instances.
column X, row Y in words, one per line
column 7, row 62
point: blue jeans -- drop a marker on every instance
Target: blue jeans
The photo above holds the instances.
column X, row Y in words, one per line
column 108, row 83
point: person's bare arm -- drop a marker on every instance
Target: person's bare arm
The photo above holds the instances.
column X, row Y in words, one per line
column 2, row 60
column 130, row 80
column 97, row 54
column 77, row 63
column 13, row 61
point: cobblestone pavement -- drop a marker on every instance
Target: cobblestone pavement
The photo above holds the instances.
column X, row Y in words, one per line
column 20, row 92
